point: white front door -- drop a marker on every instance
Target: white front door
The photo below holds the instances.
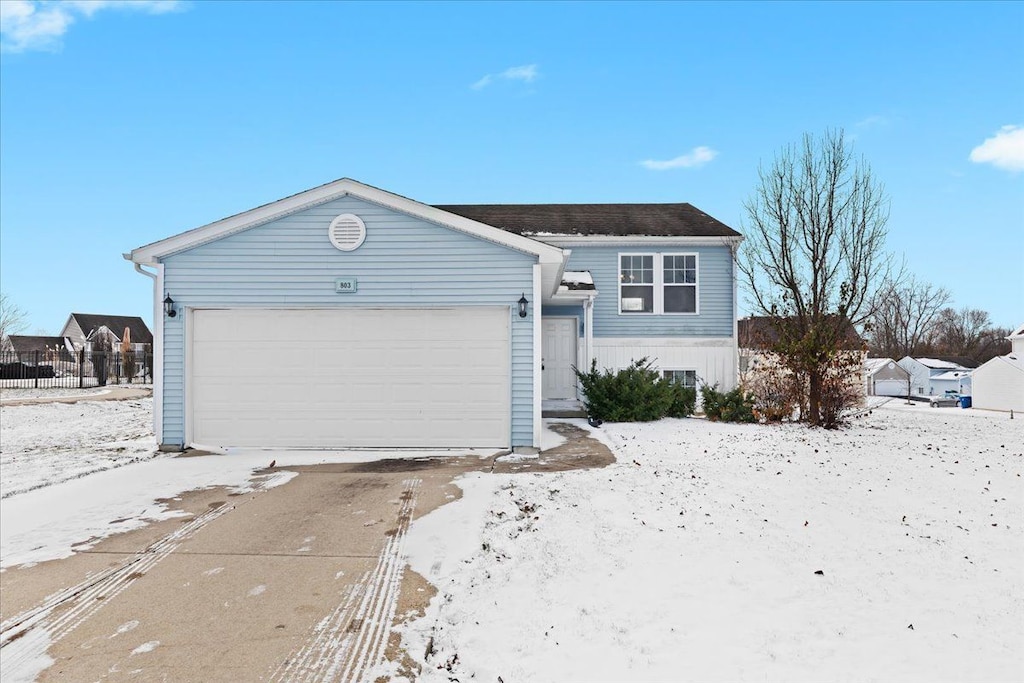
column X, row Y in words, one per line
column 559, row 357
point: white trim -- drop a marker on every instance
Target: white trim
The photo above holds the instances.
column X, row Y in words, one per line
column 158, row 355
column 734, row 251
column 658, row 298
column 636, row 240
column 571, row 297
column 538, row 348
column 588, row 332
column 683, row 342
column 336, row 190
column 186, row 381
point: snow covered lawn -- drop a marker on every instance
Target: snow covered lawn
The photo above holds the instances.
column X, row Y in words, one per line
column 891, row 550
column 44, row 444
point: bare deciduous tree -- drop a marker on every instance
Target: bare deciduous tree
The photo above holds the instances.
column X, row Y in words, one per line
column 12, row 319
column 815, row 252
column 904, row 316
column 968, row 332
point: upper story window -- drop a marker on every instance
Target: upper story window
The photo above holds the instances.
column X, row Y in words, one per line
column 658, row 283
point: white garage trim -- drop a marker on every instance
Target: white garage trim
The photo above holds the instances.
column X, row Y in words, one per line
column 354, row 377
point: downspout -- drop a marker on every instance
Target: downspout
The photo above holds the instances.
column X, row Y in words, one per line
column 588, row 331
column 735, row 322
column 536, row 320
column 158, row 348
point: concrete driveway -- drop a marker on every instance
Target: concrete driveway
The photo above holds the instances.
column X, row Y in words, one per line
column 301, row 582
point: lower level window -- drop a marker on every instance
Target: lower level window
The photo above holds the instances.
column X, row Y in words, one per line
column 688, row 378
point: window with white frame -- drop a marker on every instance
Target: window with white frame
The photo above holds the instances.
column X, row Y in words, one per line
column 636, row 283
column 687, row 378
column 658, row 283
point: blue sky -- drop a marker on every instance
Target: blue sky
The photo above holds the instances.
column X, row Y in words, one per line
column 124, row 123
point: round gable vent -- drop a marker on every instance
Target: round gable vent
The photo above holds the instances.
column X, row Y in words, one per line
column 347, row 232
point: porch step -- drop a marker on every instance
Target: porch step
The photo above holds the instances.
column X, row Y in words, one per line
column 565, row 407
column 570, row 412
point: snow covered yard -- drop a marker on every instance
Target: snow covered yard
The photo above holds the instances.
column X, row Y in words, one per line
column 44, row 444
column 890, row 550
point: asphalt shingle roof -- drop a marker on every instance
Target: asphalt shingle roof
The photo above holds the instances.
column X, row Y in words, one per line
column 658, row 220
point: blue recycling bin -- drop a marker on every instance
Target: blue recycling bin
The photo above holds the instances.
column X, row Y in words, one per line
column 965, row 401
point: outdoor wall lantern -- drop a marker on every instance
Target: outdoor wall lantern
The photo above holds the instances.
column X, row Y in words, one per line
column 169, row 307
column 522, row 305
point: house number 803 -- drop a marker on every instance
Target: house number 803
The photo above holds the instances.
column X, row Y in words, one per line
column 345, row 285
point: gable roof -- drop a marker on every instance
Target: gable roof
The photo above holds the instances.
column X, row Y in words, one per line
column 552, row 259
column 115, row 323
column 1014, row 360
column 539, row 220
column 28, row 343
column 758, row 332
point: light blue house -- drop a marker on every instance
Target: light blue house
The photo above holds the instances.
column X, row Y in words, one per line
column 350, row 317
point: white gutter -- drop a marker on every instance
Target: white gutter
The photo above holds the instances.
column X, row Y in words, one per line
column 158, row 348
column 734, row 249
column 537, row 351
column 617, row 240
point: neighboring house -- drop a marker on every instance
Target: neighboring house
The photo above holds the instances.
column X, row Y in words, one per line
column 48, row 348
column 348, row 316
column 1017, row 341
column 884, row 377
column 999, row 383
column 81, row 328
column 937, row 375
column 756, row 334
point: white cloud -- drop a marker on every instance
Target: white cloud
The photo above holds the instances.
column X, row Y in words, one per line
column 873, row 120
column 1004, row 150
column 697, row 157
column 40, row 24
column 527, row 73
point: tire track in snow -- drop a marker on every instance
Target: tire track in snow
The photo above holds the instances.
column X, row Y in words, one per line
column 89, row 596
column 350, row 641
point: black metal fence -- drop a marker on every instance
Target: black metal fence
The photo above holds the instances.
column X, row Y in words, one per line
column 60, row 369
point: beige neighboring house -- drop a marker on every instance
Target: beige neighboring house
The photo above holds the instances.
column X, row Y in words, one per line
column 999, row 383
column 884, row 377
column 81, row 329
column 755, row 334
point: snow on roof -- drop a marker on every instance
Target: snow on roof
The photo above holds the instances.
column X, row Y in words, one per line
column 872, row 364
column 577, row 279
column 1019, row 332
column 939, row 364
column 952, row 375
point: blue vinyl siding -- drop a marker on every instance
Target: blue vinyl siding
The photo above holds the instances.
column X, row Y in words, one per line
column 404, row 262
column 715, row 291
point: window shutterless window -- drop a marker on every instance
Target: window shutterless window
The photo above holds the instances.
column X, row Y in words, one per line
column 658, row 283
column 680, row 282
column 688, row 378
column 636, row 283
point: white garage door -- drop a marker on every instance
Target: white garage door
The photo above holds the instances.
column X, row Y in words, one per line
column 350, row 378
column 890, row 387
